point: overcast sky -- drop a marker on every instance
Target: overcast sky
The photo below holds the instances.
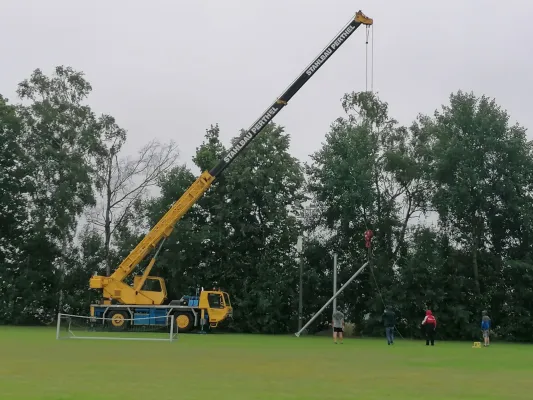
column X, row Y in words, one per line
column 169, row 69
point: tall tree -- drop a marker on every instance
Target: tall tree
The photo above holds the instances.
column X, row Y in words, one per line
column 368, row 175
column 198, row 239
column 240, row 235
column 263, row 185
column 61, row 137
column 15, row 186
column 181, row 255
column 482, row 168
column 123, row 183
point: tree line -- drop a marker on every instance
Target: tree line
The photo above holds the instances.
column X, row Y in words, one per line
column 449, row 199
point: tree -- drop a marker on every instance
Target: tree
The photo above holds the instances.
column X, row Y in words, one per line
column 85, row 257
column 368, row 175
column 482, row 169
column 240, row 235
column 182, row 252
column 15, row 186
column 124, row 183
column 263, row 185
column 61, row 139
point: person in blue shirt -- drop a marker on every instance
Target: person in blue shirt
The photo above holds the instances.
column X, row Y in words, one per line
column 485, row 328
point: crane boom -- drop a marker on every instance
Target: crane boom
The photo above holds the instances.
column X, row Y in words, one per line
column 113, row 286
column 296, row 85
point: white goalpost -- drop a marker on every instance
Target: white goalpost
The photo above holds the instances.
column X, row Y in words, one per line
column 160, row 328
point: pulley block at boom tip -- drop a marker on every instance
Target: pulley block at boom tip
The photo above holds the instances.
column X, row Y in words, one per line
column 363, row 19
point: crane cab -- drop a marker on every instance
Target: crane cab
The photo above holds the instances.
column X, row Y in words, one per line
column 153, row 288
column 210, row 307
column 217, row 304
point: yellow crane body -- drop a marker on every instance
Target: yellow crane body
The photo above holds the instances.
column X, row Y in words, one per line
column 122, row 301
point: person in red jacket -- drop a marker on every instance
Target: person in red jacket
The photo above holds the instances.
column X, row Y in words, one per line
column 429, row 324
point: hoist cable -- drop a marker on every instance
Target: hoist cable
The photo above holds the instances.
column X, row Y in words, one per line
column 377, row 286
column 372, row 76
column 366, row 58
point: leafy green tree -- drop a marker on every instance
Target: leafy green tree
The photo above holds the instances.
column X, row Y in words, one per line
column 368, row 175
column 196, row 241
column 240, row 236
column 482, row 169
column 15, row 186
column 264, row 184
column 84, row 258
column 61, row 138
column 181, row 254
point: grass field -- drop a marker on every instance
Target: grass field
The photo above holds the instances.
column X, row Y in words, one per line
column 33, row 365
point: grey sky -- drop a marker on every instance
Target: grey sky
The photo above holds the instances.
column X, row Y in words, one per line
column 169, row 69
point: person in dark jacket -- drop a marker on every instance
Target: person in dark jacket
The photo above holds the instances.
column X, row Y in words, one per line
column 389, row 320
column 429, row 324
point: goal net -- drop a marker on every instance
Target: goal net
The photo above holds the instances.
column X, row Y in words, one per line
column 161, row 328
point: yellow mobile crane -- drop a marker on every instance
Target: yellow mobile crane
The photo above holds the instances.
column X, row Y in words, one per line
column 122, row 301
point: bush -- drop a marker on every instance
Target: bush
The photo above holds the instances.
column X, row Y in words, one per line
column 349, row 329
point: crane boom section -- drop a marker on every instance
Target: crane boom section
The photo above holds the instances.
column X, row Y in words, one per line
column 162, row 229
column 296, row 85
column 114, row 283
column 165, row 226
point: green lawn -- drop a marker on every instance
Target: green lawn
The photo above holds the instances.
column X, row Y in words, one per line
column 33, row 365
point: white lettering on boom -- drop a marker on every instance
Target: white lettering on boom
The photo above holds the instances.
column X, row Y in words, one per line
column 265, row 119
column 329, row 50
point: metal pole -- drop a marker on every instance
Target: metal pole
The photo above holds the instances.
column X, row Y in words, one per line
column 334, row 281
column 297, row 334
column 300, row 300
column 299, row 246
column 58, row 327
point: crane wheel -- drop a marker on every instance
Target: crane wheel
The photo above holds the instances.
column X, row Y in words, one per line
column 118, row 320
column 184, row 321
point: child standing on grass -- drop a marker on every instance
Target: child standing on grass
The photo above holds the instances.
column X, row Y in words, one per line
column 429, row 324
column 485, row 328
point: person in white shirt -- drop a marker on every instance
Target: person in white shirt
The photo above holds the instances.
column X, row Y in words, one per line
column 338, row 326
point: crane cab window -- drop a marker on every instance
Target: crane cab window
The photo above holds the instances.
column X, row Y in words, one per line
column 215, row 300
column 152, row 285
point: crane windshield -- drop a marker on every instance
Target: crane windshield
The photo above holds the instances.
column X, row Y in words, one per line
column 226, row 300
column 215, row 300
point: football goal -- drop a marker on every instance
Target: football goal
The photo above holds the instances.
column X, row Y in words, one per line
column 161, row 328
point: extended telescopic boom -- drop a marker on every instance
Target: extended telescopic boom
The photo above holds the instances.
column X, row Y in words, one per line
column 165, row 226
column 281, row 101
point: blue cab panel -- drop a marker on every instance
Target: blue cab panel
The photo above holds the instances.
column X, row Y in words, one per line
column 149, row 316
column 141, row 315
column 191, row 301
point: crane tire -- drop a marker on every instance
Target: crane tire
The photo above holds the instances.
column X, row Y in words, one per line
column 184, row 321
column 118, row 320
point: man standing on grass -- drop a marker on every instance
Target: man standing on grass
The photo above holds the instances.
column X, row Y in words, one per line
column 485, row 328
column 338, row 325
column 389, row 320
